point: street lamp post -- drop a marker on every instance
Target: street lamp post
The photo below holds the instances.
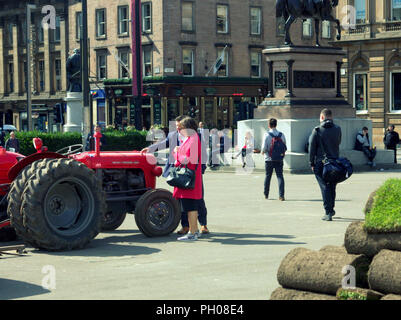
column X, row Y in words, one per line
column 87, row 108
column 29, row 7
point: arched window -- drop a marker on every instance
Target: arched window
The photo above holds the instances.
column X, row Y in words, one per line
column 360, row 85
column 395, row 83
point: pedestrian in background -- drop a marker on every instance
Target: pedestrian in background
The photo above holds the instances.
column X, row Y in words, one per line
column 12, row 143
column 274, row 147
column 2, row 136
column 325, row 142
column 246, row 151
column 391, row 140
column 90, row 140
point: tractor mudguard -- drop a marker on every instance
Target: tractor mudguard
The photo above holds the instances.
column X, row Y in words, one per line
column 16, row 169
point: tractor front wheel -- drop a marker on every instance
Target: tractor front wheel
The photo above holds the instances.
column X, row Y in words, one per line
column 157, row 213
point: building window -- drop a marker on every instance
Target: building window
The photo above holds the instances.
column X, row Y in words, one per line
column 23, row 32
column 41, row 75
column 10, row 33
column 188, row 62
column 101, row 23
column 187, row 21
column 307, row 28
column 395, row 91
column 395, row 10
column 147, row 17
column 78, row 25
column 256, row 21
column 57, row 32
column 147, row 61
column 360, row 11
column 57, row 67
column 41, row 32
column 101, row 66
column 222, row 19
column 10, row 77
column 223, row 70
column 326, row 30
column 361, row 92
column 123, row 19
column 124, row 64
column 256, row 58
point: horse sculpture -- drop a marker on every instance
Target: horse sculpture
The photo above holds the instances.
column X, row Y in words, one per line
column 319, row 10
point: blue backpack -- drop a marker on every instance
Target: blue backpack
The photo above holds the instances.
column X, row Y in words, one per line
column 277, row 147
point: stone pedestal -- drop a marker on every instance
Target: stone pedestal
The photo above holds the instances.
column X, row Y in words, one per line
column 74, row 119
column 302, row 82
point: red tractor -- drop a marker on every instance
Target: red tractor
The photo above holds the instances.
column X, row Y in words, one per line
column 62, row 200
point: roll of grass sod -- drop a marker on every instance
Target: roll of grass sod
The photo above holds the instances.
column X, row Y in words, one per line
column 320, row 271
column 334, row 249
column 391, row 297
column 358, row 241
column 291, row 294
column 383, row 208
column 385, row 272
column 358, row 294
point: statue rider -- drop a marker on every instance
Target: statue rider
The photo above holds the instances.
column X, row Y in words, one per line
column 74, row 72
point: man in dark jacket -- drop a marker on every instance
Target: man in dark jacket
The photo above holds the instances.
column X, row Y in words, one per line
column 391, row 139
column 325, row 142
column 12, row 143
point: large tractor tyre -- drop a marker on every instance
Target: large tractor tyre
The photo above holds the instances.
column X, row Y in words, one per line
column 157, row 213
column 14, row 196
column 112, row 220
column 63, row 206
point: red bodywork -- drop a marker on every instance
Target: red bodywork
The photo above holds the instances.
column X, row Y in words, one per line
column 7, row 160
column 122, row 160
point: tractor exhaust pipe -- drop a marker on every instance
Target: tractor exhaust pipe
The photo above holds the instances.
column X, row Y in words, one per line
column 97, row 137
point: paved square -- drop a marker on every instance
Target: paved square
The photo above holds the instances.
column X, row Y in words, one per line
column 238, row 260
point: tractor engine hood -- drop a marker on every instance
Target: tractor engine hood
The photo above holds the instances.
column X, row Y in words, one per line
column 7, row 161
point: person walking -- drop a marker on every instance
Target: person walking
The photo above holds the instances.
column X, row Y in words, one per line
column 324, row 141
column 364, row 144
column 246, row 151
column 12, row 143
column 391, row 140
column 274, row 147
column 189, row 154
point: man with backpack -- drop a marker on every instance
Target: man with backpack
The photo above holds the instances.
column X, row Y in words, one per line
column 324, row 142
column 274, row 148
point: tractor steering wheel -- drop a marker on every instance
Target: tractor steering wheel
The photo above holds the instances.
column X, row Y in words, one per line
column 75, row 148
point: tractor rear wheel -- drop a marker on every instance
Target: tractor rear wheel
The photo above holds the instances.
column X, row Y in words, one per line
column 14, row 196
column 63, row 205
column 157, row 213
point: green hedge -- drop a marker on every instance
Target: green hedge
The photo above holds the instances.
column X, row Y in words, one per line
column 115, row 140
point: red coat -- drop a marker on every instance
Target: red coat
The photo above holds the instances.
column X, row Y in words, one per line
column 190, row 153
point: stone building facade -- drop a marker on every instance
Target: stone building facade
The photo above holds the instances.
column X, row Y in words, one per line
column 48, row 55
column 371, row 71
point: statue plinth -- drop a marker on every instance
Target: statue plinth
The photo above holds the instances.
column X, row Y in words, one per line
column 302, row 80
column 74, row 119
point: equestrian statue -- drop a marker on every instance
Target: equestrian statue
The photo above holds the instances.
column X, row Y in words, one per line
column 319, row 10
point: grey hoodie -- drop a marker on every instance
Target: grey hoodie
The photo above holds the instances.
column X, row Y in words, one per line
column 331, row 138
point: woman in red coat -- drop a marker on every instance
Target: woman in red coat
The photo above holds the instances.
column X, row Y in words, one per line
column 189, row 153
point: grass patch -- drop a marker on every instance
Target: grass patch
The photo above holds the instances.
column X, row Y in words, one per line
column 385, row 212
column 349, row 295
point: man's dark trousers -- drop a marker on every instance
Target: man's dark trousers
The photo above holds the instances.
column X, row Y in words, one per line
column 278, row 167
column 328, row 189
column 202, row 213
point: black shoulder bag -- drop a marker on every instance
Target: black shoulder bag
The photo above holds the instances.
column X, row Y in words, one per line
column 335, row 170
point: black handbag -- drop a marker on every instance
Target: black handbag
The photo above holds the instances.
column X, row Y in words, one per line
column 182, row 177
column 335, row 170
